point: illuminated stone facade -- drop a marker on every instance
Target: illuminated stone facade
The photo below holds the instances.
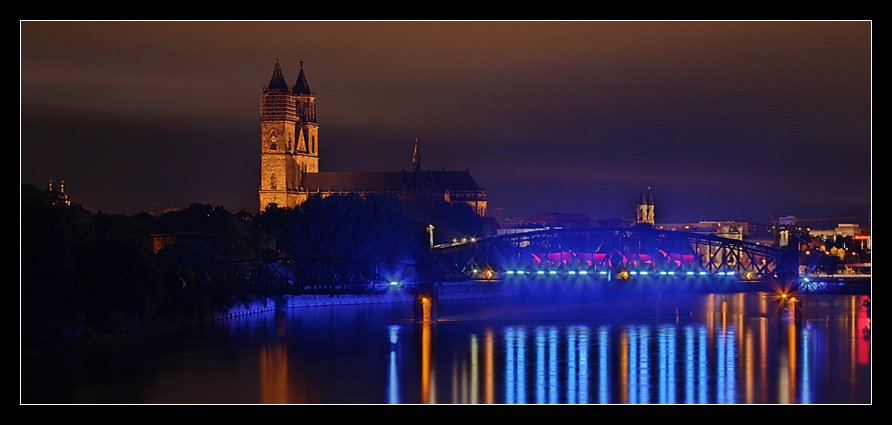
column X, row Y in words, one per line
column 289, row 138
column 289, row 164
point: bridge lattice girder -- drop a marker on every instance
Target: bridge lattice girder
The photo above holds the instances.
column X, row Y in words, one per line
column 296, row 276
column 603, row 249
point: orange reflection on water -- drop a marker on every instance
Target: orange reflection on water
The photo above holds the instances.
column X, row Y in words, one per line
column 274, row 374
column 489, row 368
column 427, row 390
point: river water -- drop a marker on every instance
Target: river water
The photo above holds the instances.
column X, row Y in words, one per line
column 692, row 348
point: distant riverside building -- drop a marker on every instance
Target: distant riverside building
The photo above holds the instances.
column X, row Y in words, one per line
column 783, row 233
column 289, row 164
column 726, row 229
column 844, row 230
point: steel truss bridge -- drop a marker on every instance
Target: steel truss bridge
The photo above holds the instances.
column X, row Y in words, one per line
column 616, row 252
column 303, row 276
column 600, row 252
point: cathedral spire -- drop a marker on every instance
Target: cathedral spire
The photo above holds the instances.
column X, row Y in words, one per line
column 416, row 158
column 646, row 197
column 301, row 87
column 277, row 81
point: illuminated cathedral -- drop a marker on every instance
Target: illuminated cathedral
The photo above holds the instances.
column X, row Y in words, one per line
column 289, row 159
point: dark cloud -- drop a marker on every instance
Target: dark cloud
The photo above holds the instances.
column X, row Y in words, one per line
column 722, row 119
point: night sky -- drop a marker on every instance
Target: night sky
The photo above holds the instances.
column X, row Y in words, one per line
column 723, row 120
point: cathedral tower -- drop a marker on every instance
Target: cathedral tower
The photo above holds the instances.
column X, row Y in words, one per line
column 289, row 159
column 288, row 139
column 645, row 213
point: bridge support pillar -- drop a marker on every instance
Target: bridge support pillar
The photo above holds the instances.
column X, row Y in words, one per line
column 426, row 304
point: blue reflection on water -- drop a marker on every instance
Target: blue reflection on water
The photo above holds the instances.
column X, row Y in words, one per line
column 603, row 366
column 546, row 365
column 725, row 374
column 577, row 365
column 393, row 383
column 805, row 393
column 667, row 359
column 695, row 374
column 723, row 354
column 515, row 367
column 645, row 361
column 721, row 349
column 634, row 364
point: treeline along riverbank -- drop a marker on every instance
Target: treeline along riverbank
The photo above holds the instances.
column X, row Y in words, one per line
column 85, row 275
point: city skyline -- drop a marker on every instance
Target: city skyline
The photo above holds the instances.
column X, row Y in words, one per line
column 722, row 120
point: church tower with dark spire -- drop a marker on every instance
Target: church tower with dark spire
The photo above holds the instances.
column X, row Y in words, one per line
column 645, row 212
column 288, row 138
column 289, row 159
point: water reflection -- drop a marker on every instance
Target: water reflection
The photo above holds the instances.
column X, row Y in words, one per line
column 734, row 349
column 274, row 374
column 633, row 364
column 393, row 382
column 695, row 349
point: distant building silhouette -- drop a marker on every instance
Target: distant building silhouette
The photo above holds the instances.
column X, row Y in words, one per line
column 289, row 165
column 59, row 197
column 556, row 219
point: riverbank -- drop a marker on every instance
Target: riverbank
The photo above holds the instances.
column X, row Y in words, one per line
column 445, row 291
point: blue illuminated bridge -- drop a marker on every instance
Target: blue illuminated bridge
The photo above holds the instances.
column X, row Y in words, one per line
column 641, row 258
column 601, row 253
column 614, row 253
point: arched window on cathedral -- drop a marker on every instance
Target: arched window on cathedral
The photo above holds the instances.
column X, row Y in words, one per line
column 272, row 141
column 272, row 181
